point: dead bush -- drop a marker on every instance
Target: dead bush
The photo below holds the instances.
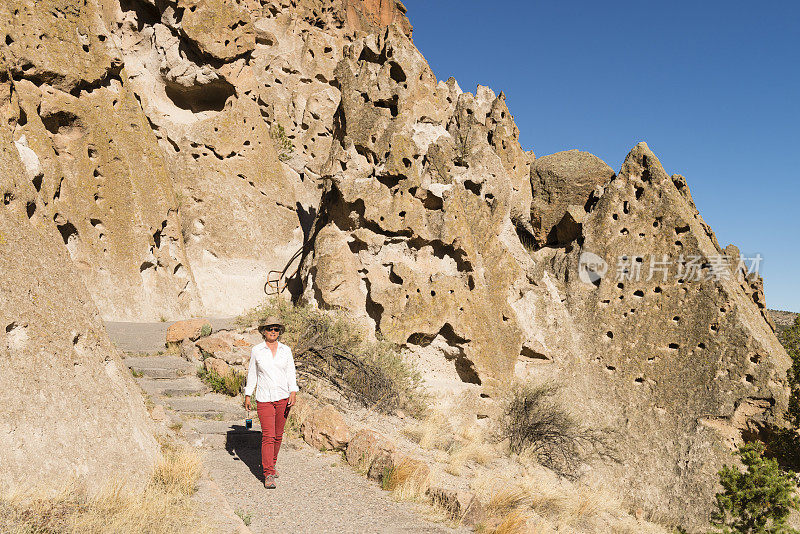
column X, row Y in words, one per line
column 533, row 422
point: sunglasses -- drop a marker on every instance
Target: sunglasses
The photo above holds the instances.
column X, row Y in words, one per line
column 271, row 329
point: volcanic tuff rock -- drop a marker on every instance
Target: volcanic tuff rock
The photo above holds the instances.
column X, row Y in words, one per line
column 183, row 149
column 69, row 406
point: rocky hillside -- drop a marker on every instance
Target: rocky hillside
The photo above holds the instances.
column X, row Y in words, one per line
column 184, row 149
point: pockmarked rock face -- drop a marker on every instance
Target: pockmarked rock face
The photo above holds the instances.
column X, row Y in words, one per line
column 168, row 156
column 70, row 408
column 421, row 235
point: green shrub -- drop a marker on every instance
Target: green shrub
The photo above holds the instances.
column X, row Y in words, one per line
column 283, row 144
column 230, row 384
column 205, row 331
column 790, row 338
column 758, row 500
column 532, row 421
column 330, row 346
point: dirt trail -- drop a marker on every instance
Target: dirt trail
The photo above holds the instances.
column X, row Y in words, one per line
column 317, row 492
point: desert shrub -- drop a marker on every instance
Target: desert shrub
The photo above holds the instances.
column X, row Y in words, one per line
column 330, row 346
column 758, row 500
column 790, row 338
column 230, row 384
column 532, row 421
column 205, row 330
column 283, row 145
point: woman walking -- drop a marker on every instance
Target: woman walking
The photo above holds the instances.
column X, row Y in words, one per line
column 271, row 375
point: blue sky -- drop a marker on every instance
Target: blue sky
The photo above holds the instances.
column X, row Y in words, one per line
column 712, row 87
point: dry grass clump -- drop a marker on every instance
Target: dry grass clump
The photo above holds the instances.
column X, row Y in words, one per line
column 163, row 507
column 545, row 503
column 178, row 472
column 331, row 346
column 408, row 480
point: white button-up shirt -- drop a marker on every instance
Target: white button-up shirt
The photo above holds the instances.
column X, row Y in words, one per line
column 272, row 378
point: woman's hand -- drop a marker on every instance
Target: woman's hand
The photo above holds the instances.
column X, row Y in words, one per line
column 247, row 403
column 292, row 398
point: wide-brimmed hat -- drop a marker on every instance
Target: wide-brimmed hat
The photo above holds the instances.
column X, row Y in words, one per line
column 270, row 321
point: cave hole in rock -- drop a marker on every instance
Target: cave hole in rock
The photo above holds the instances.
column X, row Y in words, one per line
column 638, row 293
column 391, row 104
column 527, row 353
column 657, row 289
column 639, row 192
column 639, row 380
column 674, row 346
column 473, row 187
column 621, row 285
column 714, row 327
column 615, row 216
column 755, row 358
column 394, row 277
column 610, row 334
column 67, row 231
column 625, row 207
column 749, row 379
column 396, row 72
column 676, row 319
column 701, row 346
column 681, row 229
column 610, row 368
column 210, row 97
column 624, row 231
column 62, row 122
column 391, row 181
column 356, row 246
column 30, row 208
column 146, row 265
column 9, row 40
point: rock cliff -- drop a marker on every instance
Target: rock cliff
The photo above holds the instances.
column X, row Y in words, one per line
column 69, row 407
column 183, row 149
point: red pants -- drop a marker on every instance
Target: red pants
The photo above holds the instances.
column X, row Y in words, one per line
column 272, row 416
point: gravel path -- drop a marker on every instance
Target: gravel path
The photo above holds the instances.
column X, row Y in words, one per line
column 317, row 493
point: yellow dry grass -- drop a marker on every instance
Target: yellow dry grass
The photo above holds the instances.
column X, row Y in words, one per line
column 468, row 447
column 556, row 504
column 408, row 480
column 163, row 507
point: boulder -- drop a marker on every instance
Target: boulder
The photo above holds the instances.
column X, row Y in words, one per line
column 558, row 181
column 190, row 352
column 191, row 329
column 326, row 429
column 217, row 365
column 462, row 506
column 213, row 346
column 371, row 453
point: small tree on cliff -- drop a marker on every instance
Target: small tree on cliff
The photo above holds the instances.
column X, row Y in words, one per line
column 758, row 500
column 790, row 338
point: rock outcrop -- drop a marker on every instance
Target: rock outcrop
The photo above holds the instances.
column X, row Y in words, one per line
column 70, row 409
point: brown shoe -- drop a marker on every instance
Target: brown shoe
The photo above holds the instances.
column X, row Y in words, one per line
column 269, row 482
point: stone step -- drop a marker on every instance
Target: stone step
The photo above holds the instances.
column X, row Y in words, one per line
column 161, row 367
column 229, row 434
column 173, row 387
column 207, row 409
